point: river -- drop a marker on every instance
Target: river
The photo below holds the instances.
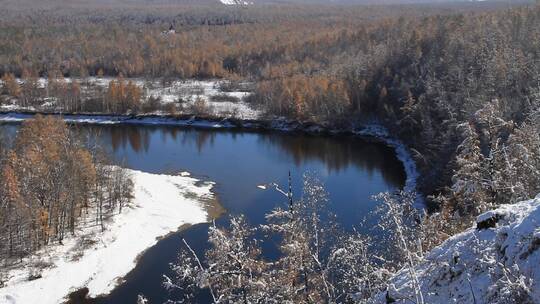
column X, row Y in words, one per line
column 351, row 168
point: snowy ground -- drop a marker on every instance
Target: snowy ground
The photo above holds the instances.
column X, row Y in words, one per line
column 490, row 265
column 218, row 102
column 161, row 205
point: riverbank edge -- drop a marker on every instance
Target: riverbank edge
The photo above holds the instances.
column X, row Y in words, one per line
column 206, row 202
column 210, row 205
column 371, row 129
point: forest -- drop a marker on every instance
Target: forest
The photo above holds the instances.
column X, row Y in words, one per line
column 52, row 184
column 427, row 74
column 458, row 84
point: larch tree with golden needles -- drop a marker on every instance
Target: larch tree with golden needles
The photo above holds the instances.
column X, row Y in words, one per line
column 48, row 189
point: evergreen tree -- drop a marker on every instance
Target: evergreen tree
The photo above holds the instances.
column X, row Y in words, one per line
column 470, row 189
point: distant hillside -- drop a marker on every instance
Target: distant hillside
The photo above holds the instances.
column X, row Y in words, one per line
column 369, row 1
column 119, row 3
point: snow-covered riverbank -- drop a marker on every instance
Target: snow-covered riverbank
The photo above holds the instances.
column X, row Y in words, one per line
column 373, row 129
column 98, row 261
column 402, row 153
column 161, row 120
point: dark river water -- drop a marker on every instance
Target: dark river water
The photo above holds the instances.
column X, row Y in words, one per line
column 352, row 170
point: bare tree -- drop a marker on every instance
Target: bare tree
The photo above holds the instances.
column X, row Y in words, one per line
column 318, row 263
column 400, row 220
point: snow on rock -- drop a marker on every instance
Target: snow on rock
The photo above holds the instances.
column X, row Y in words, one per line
column 161, row 204
column 499, row 264
column 489, row 219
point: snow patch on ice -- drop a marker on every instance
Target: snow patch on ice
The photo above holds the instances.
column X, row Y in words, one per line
column 161, row 204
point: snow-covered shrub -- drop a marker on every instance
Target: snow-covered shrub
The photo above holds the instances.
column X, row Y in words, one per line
column 200, row 107
column 510, row 287
column 401, row 221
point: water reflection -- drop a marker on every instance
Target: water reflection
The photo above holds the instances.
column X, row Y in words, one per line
column 139, row 138
column 336, row 153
